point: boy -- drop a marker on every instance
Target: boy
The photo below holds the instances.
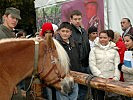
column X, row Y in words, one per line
column 64, row 38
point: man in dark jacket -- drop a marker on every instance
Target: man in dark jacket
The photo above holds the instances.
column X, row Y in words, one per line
column 80, row 36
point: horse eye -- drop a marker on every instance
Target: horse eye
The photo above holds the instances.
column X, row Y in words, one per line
column 58, row 59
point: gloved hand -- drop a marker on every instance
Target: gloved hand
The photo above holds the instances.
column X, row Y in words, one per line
column 120, row 66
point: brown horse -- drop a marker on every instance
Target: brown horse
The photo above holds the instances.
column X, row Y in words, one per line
column 17, row 62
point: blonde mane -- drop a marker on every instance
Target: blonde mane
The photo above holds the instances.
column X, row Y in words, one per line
column 63, row 56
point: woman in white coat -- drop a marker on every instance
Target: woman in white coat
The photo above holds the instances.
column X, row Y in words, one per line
column 104, row 60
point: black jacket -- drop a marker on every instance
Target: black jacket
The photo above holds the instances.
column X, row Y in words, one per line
column 83, row 43
column 72, row 51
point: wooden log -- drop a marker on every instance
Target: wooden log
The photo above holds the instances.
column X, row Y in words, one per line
column 122, row 88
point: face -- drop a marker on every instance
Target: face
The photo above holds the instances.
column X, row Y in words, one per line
column 65, row 34
column 93, row 35
column 103, row 39
column 125, row 24
column 48, row 32
column 10, row 21
column 128, row 42
column 91, row 10
column 76, row 20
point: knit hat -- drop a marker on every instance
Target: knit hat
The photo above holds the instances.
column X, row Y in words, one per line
column 92, row 29
column 46, row 27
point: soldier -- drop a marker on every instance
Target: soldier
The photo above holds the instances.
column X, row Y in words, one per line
column 10, row 20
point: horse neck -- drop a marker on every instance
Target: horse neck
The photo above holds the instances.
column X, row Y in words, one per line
column 17, row 60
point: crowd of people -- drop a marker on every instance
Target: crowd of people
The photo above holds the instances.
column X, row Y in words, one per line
column 87, row 51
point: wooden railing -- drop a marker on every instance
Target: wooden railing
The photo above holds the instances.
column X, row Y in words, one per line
column 122, row 88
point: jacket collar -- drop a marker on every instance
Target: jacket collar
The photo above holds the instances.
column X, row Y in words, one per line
column 71, row 42
column 110, row 45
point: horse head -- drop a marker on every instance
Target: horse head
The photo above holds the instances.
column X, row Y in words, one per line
column 56, row 65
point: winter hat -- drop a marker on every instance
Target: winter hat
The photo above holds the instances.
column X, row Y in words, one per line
column 92, row 29
column 46, row 27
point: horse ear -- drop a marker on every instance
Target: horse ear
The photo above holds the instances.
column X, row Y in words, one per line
column 50, row 42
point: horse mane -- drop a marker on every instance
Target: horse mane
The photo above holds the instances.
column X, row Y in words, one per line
column 63, row 56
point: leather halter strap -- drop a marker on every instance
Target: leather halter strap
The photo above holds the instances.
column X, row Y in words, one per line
column 36, row 56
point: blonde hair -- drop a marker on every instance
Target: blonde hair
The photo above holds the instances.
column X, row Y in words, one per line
column 116, row 36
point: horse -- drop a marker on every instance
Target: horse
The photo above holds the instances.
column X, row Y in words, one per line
column 17, row 61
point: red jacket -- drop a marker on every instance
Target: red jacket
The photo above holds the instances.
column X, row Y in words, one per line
column 121, row 50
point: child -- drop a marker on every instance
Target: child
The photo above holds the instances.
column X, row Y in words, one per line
column 64, row 38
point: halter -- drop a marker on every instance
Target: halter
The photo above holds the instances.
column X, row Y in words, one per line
column 53, row 62
column 54, row 67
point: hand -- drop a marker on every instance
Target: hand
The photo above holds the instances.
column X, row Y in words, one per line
column 120, row 66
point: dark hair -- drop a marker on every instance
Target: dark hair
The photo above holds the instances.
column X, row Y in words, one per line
column 130, row 35
column 75, row 12
column 128, row 20
column 20, row 33
column 104, row 31
column 92, row 29
column 65, row 25
column 111, row 34
column 6, row 14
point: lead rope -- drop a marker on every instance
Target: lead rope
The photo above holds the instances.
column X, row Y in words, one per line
column 88, row 79
column 35, row 66
column 31, row 81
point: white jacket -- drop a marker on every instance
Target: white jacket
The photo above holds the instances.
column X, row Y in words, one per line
column 104, row 61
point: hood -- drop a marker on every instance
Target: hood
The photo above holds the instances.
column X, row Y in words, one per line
column 110, row 45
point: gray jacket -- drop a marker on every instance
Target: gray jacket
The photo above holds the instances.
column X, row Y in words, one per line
column 5, row 32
